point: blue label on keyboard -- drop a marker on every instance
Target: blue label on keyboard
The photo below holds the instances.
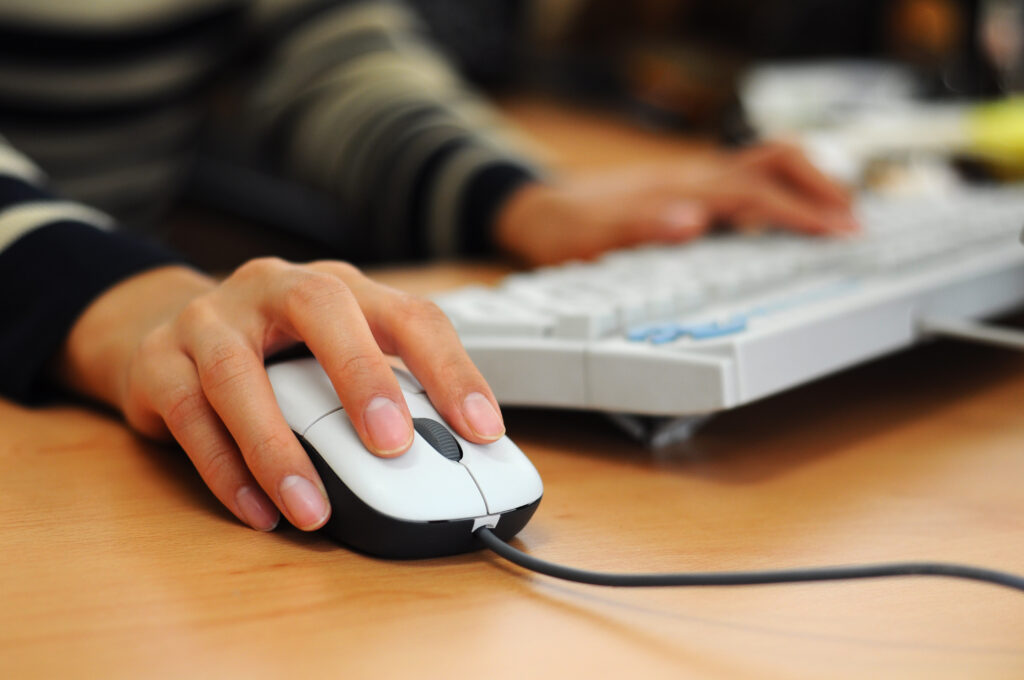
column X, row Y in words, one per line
column 717, row 329
column 659, row 334
column 667, row 333
column 641, row 333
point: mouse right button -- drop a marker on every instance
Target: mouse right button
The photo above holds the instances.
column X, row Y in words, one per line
column 506, row 477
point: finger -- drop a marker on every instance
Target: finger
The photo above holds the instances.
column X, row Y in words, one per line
column 671, row 221
column 235, row 383
column 792, row 166
column 419, row 332
column 763, row 201
column 176, row 395
column 323, row 312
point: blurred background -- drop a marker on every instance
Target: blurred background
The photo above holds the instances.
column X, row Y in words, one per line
column 879, row 92
column 899, row 96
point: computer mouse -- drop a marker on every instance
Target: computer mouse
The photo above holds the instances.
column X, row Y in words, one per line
column 426, row 502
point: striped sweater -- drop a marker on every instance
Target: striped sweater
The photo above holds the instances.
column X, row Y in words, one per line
column 101, row 108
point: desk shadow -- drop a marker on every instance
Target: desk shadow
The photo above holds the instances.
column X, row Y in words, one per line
column 791, row 429
column 174, row 463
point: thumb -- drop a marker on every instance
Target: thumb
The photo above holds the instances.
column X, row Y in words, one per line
column 682, row 220
column 672, row 222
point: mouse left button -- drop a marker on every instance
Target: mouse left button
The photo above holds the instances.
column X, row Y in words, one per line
column 303, row 392
column 417, row 486
column 505, row 476
column 407, row 381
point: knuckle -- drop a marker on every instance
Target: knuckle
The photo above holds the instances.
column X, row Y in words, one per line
column 414, row 309
column 360, row 365
column 342, row 269
column 260, row 267
column 268, row 449
column 198, row 313
column 182, row 405
column 217, row 467
column 152, row 344
column 224, row 363
column 313, row 290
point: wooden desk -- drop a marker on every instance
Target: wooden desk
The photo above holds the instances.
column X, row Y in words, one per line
column 117, row 562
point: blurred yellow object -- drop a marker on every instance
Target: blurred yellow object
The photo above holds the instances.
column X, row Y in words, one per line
column 997, row 134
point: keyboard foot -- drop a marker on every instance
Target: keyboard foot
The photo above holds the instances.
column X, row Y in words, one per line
column 656, row 431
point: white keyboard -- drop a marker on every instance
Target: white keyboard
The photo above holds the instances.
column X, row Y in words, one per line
column 693, row 329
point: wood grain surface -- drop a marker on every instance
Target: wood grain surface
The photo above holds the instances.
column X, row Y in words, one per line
column 118, row 563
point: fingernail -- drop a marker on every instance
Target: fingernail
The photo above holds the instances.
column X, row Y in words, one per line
column 481, row 416
column 307, row 505
column 258, row 512
column 386, row 424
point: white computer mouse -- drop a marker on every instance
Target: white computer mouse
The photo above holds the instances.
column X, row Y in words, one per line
column 426, row 502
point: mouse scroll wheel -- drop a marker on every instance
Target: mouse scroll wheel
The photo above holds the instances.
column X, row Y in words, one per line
column 438, row 436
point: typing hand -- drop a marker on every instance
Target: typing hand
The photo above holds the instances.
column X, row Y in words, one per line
column 587, row 214
column 181, row 354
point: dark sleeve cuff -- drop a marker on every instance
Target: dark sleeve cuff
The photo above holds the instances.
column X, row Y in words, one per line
column 47, row 278
column 482, row 198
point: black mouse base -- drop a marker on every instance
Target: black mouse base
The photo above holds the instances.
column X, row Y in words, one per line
column 356, row 525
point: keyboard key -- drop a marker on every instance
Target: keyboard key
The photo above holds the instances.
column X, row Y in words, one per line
column 576, row 315
column 477, row 311
column 613, row 333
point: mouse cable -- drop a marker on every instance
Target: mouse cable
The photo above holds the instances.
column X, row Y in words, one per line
column 746, row 578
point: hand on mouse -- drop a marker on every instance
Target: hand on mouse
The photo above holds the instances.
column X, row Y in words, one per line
column 181, row 354
column 585, row 215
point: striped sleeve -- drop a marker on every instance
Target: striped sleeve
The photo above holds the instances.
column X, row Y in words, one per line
column 108, row 97
column 356, row 101
column 55, row 258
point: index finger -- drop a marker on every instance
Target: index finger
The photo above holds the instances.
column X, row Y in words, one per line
column 321, row 311
column 235, row 383
column 419, row 332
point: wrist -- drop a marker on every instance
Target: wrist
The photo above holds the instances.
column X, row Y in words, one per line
column 94, row 359
column 526, row 220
